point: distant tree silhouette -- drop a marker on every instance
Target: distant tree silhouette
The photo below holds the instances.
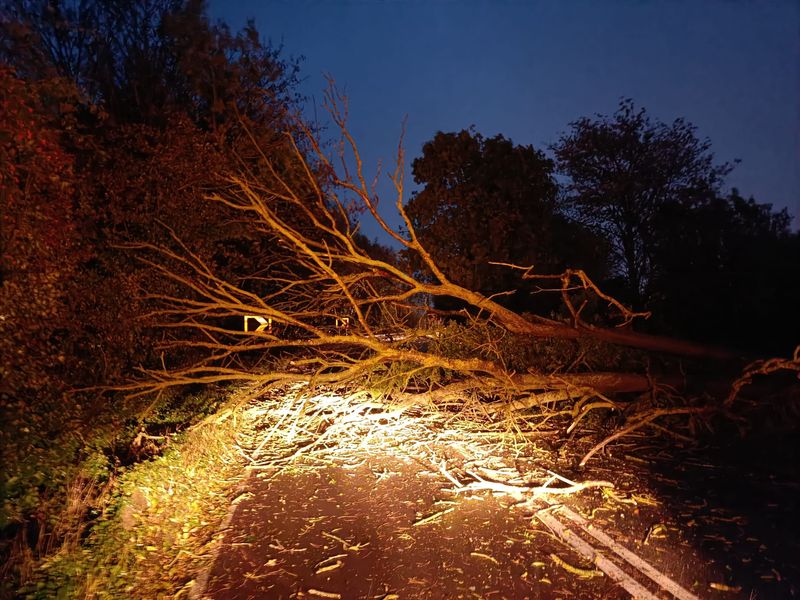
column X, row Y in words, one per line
column 725, row 271
column 488, row 200
column 623, row 171
column 144, row 60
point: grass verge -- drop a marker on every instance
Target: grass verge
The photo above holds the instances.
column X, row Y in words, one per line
column 156, row 532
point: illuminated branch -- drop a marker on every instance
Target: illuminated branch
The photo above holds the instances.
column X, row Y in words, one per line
column 763, row 367
column 641, row 421
column 319, row 277
column 585, row 284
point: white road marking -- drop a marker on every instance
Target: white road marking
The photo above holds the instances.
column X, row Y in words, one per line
column 642, row 565
column 583, row 548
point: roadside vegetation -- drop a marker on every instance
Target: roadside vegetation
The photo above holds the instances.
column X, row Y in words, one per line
column 151, row 528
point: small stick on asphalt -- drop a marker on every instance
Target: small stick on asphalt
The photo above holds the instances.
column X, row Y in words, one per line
column 444, row 471
column 321, row 594
column 434, row 516
column 582, row 573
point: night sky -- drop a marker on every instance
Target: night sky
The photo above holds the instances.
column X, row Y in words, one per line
column 527, row 69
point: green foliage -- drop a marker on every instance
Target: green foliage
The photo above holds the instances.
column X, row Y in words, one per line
column 183, row 100
column 60, row 461
column 162, row 512
column 34, row 469
column 174, row 410
column 399, row 376
column 40, row 452
column 525, row 354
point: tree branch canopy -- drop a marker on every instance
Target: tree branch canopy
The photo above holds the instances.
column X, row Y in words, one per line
column 322, row 275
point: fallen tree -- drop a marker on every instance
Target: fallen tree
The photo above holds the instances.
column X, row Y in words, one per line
column 333, row 314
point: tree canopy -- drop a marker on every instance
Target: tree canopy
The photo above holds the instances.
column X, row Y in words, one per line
column 722, row 272
column 623, row 171
column 146, row 60
column 488, row 200
column 641, row 209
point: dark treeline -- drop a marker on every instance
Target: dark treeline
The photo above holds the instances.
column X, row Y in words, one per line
column 636, row 203
column 116, row 119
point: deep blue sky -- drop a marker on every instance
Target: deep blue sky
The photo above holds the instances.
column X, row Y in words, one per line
column 527, row 69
